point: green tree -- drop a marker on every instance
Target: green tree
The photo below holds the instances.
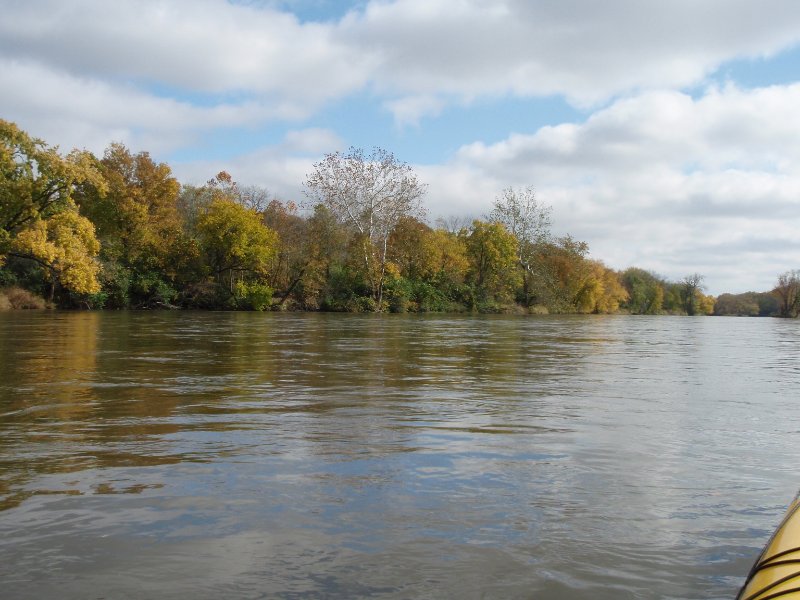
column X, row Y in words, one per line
column 645, row 292
column 493, row 273
column 740, row 305
column 691, row 288
column 674, row 298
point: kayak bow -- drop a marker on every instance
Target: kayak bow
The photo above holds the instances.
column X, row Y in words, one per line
column 776, row 573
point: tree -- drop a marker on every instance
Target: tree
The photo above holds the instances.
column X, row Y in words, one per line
column 454, row 224
column 39, row 220
column 411, row 249
column 36, row 182
column 601, row 291
column 255, row 198
column 65, row 245
column 645, row 291
column 674, row 298
column 144, row 246
column 565, row 271
column 690, row 288
column 291, row 258
column 787, row 291
column 705, row 304
column 492, row 252
column 371, row 193
column 235, row 242
column 449, row 253
column 529, row 222
column 740, row 305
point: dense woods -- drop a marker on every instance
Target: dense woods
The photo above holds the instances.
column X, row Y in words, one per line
column 120, row 231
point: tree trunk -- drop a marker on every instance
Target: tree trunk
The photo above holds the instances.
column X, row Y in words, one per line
column 292, row 286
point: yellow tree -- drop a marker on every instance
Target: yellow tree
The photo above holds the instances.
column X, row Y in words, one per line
column 411, row 248
column 448, row 252
column 237, row 246
column 65, row 245
column 601, row 292
column 36, row 182
column 137, row 219
column 432, row 264
column 705, row 304
column 39, row 220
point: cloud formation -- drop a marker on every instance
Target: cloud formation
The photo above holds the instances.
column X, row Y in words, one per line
column 418, row 55
column 586, row 51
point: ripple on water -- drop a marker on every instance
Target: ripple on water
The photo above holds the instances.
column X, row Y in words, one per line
column 239, row 455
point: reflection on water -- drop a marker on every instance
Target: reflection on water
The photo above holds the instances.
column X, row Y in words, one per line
column 249, row 455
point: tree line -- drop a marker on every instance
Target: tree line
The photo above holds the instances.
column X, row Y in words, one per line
column 119, row 231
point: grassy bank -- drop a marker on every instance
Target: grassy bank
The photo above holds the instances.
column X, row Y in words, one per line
column 16, row 298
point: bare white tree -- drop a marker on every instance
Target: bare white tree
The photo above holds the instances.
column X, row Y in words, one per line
column 529, row 222
column 455, row 223
column 371, row 193
column 254, row 197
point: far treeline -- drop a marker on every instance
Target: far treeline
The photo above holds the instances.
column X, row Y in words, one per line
column 119, row 232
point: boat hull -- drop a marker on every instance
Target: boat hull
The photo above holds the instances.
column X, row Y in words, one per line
column 776, row 573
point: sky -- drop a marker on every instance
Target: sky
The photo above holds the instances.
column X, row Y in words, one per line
column 666, row 135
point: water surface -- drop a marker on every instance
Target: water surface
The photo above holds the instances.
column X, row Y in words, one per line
column 243, row 455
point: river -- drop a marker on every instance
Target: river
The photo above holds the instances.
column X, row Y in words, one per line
column 245, row 455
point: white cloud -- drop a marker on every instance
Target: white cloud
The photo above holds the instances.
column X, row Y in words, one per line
column 409, row 110
column 78, row 111
column 416, row 55
column 315, row 141
column 280, row 168
column 197, row 45
column 585, row 50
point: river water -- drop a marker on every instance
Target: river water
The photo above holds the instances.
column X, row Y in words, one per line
column 243, row 455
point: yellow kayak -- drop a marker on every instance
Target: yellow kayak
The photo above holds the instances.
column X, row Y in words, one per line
column 776, row 573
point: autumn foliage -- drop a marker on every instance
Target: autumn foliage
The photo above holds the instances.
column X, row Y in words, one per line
column 121, row 232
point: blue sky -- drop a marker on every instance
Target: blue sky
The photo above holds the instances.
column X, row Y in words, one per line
column 665, row 135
